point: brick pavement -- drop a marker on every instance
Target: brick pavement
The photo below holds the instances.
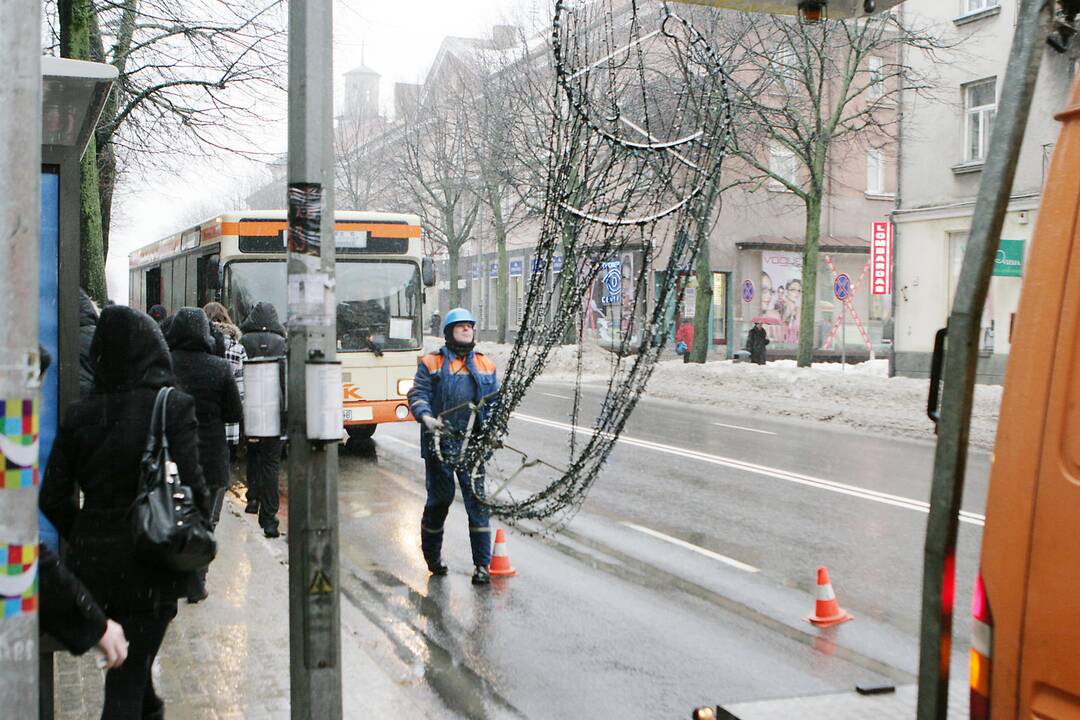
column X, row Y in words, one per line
column 228, row 656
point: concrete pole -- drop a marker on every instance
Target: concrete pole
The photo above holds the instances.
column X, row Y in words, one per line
column 20, row 189
column 314, row 586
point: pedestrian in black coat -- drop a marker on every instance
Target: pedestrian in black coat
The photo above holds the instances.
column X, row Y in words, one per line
column 98, row 451
column 69, row 614
column 756, row 340
column 264, row 337
column 88, row 316
column 209, row 380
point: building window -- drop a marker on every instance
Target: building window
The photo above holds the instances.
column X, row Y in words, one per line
column 785, row 67
column 517, row 301
column 974, row 6
column 875, row 173
column 980, row 107
column 876, row 88
column 719, row 308
column 782, row 165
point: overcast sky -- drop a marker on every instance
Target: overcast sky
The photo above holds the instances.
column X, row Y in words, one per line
column 397, row 39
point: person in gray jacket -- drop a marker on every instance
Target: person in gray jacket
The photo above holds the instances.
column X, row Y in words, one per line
column 264, row 337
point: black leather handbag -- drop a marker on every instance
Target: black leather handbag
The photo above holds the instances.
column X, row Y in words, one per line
column 168, row 530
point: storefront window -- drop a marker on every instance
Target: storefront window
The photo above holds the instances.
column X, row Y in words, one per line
column 957, row 248
column 719, row 308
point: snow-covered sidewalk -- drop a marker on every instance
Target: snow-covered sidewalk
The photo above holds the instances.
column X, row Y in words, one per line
column 862, row 397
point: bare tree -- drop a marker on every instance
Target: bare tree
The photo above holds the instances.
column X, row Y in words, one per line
column 500, row 119
column 362, row 161
column 804, row 90
column 435, row 170
column 195, row 78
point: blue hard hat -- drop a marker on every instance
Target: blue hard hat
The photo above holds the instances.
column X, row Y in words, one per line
column 457, row 315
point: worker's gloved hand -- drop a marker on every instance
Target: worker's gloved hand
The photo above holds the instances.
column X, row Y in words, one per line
column 432, row 423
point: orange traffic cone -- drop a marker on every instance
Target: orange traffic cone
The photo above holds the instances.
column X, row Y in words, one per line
column 826, row 610
column 500, row 560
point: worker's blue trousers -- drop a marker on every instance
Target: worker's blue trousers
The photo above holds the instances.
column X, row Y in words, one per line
column 440, row 495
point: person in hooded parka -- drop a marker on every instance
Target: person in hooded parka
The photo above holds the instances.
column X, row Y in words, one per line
column 88, row 317
column 209, row 380
column 264, row 337
column 233, row 352
column 98, row 451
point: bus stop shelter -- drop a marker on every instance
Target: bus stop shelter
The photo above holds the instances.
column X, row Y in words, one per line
column 73, row 96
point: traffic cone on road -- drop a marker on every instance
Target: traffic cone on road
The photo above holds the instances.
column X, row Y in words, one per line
column 826, row 610
column 500, row 559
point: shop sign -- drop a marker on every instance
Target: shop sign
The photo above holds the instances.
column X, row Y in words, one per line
column 1009, row 261
column 611, row 276
column 881, row 258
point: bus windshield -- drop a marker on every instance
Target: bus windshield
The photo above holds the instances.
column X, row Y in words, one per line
column 378, row 301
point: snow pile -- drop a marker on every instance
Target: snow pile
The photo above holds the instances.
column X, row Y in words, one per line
column 860, row 396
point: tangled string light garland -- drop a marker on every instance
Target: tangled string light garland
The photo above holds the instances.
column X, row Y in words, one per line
column 642, row 124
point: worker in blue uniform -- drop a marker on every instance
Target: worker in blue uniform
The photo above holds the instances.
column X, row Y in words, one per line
column 446, row 383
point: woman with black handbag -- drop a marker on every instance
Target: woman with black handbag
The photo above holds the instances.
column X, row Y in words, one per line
column 99, row 450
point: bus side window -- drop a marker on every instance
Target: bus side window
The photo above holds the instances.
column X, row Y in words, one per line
column 191, row 287
column 153, row 287
column 208, row 279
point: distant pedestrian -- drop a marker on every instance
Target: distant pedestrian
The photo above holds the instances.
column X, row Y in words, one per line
column 234, row 353
column 684, row 339
column 209, row 380
column 158, row 312
column 98, row 451
column 452, row 377
column 264, row 337
column 756, row 340
column 436, row 324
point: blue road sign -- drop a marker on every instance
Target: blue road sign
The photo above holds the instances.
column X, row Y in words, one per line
column 612, row 279
column 841, row 287
column 748, row 291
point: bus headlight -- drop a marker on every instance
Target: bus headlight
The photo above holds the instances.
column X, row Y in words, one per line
column 401, row 412
column 404, row 385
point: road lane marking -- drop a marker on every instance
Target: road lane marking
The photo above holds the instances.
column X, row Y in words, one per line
column 561, row 397
column 694, row 548
column 406, row 443
column 792, row 477
column 740, row 427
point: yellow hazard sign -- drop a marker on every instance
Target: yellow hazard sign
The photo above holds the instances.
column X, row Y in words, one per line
column 320, row 584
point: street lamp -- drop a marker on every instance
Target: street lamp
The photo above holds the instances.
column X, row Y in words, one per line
column 812, row 11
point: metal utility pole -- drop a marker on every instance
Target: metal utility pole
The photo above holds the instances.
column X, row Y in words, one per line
column 962, row 355
column 314, row 610
column 20, row 183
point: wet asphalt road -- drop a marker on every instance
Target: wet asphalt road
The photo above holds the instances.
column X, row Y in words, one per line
column 683, row 581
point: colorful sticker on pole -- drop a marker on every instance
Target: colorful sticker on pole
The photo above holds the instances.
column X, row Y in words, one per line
column 305, row 218
column 748, row 291
column 18, row 579
column 19, row 444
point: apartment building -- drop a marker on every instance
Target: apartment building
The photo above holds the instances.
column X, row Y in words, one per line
column 945, row 137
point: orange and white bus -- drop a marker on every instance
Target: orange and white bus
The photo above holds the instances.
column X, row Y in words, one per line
column 239, row 259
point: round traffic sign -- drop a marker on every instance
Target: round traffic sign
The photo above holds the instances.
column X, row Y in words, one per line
column 748, row 291
column 842, row 287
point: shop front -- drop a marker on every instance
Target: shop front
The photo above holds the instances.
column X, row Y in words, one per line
column 769, row 289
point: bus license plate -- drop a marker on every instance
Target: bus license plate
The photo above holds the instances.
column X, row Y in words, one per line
column 360, row 413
